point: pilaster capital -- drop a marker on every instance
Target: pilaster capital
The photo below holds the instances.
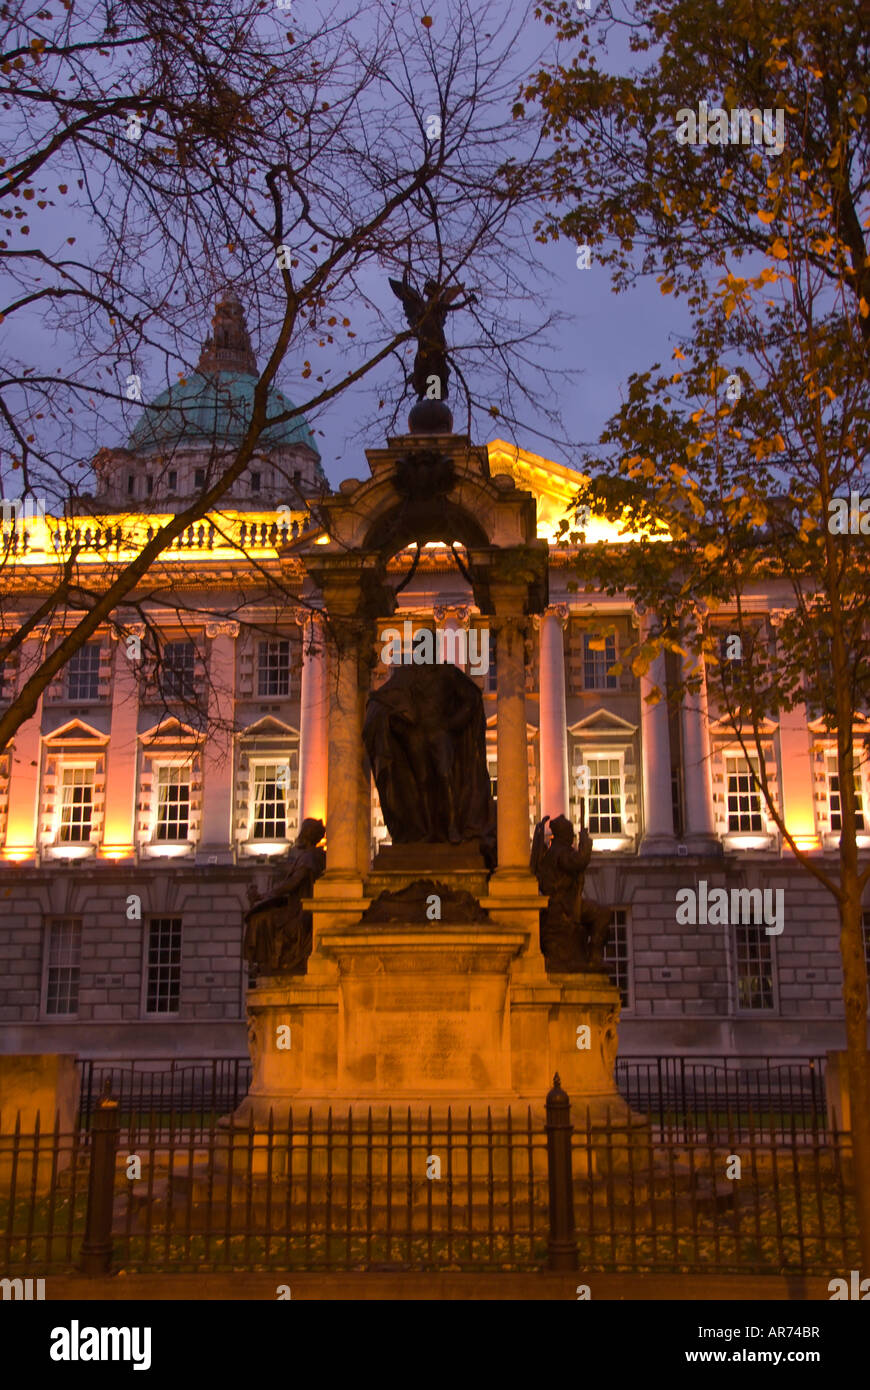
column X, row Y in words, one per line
column 460, row 612
column 777, row 616
column 228, row 628
column 315, row 617
column 125, row 630
column 559, row 611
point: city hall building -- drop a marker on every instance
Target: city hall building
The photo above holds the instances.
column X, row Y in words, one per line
column 169, row 765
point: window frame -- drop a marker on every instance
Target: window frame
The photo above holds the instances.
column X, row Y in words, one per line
column 255, row 763
column 766, row 941
column 70, row 671
column 608, row 682
column 151, row 921
column 158, row 766
column 263, row 671
column 50, row 923
column 752, row 762
column 65, row 765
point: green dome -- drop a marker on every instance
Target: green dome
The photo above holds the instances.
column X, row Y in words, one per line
column 215, row 407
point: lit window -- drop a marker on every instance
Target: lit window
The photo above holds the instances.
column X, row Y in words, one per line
column 272, row 782
column 173, row 803
column 83, row 673
column 754, row 956
column 178, row 671
column 64, row 948
column 835, row 801
column 744, row 797
column 492, row 768
column 605, row 796
column 76, row 805
column 273, row 667
column 163, row 966
column 597, row 663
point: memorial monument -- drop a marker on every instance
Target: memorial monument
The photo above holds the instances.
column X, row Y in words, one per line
column 421, row 981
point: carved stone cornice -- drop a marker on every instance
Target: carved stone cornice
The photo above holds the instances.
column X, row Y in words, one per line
column 460, row 611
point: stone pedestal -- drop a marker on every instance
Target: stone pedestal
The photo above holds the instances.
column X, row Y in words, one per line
column 435, row 1015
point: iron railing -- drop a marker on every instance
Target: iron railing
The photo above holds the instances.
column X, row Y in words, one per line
column 193, row 1091
column 683, row 1097
column 448, row 1191
column 688, row 1096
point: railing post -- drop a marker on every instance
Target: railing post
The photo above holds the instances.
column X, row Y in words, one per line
column 96, row 1251
column 562, row 1245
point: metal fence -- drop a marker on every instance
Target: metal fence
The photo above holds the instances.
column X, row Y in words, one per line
column 688, row 1096
column 350, row 1191
column 194, row 1090
column 683, row 1097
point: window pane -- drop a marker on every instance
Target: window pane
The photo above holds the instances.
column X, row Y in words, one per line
column 834, row 800
column 273, row 668
column 597, row 664
column 178, row 676
column 744, row 798
column 272, row 783
column 163, row 977
column 83, row 673
column 754, row 968
column 77, row 804
column 616, row 953
column 605, row 797
column 62, row 976
column 173, row 803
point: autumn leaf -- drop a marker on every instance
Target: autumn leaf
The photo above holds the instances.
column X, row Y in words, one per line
column 779, row 250
column 766, row 217
column 426, row 21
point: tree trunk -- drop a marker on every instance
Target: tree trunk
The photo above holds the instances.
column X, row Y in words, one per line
column 855, row 1001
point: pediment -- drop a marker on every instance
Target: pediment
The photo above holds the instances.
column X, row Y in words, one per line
column 269, row 727
column 723, row 728
column 171, row 730
column 76, row 731
column 820, row 726
column 602, row 721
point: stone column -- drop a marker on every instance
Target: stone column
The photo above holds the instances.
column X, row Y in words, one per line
column 312, row 719
column 553, row 711
column 512, row 743
column 346, row 634
column 655, row 751
column 700, row 824
column 796, row 766
column 25, row 768
column 119, row 822
column 513, row 890
column 216, row 838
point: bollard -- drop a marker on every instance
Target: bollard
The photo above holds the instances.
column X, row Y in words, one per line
column 96, row 1252
column 562, row 1245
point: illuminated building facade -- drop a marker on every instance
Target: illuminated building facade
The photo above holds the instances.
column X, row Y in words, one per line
column 169, row 765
